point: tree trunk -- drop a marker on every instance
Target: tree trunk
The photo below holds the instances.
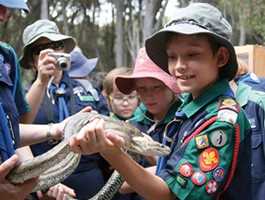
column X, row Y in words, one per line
column 242, row 30
column 119, row 29
column 65, row 24
column 44, row 14
column 152, row 7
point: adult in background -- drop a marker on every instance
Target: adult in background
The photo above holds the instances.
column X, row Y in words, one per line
column 54, row 96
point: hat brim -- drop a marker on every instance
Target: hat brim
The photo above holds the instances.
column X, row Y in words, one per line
column 15, row 4
column 85, row 69
column 156, row 46
column 126, row 84
column 69, row 41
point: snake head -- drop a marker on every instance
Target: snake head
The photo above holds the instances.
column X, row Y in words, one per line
column 146, row 146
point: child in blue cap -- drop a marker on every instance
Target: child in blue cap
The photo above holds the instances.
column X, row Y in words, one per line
column 210, row 135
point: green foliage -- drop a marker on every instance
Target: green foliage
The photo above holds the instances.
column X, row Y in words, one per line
column 80, row 18
column 257, row 17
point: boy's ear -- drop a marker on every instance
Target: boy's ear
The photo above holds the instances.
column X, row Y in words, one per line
column 222, row 57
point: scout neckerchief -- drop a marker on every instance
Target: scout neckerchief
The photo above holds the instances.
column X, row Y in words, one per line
column 58, row 93
column 169, row 136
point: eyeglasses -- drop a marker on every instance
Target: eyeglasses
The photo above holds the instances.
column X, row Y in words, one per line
column 119, row 99
column 51, row 45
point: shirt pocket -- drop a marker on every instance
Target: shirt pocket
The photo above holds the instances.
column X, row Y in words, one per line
column 258, row 156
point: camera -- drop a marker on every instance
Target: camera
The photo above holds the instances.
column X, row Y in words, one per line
column 63, row 60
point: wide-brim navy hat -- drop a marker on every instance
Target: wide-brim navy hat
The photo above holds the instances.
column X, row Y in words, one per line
column 197, row 18
column 81, row 66
column 17, row 4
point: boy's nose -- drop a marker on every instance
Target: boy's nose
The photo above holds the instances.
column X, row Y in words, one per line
column 125, row 102
column 179, row 67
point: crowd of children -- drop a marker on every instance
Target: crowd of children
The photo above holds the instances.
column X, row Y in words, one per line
column 187, row 89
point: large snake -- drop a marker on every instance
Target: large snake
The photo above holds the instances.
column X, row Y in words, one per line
column 58, row 163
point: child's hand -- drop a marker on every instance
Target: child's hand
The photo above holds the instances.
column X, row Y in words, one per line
column 14, row 191
column 93, row 139
column 58, row 192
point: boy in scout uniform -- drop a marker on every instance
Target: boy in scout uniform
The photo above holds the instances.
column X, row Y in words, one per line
column 209, row 137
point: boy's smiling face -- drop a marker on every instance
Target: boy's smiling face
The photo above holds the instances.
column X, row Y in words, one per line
column 194, row 64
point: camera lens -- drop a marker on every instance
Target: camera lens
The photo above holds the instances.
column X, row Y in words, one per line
column 63, row 65
column 63, row 60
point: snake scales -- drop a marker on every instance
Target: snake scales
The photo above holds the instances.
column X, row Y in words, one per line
column 58, row 163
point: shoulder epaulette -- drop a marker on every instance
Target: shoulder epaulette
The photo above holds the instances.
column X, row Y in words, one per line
column 228, row 110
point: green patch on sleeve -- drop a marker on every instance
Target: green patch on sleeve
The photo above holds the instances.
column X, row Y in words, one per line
column 86, row 98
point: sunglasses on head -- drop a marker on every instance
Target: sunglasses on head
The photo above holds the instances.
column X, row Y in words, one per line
column 51, row 45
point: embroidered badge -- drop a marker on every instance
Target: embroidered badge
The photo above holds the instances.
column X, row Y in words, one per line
column 230, row 104
column 78, row 90
column 219, row 174
column 198, row 178
column 86, row 98
column 186, row 170
column 211, row 187
column 218, row 138
column 226, row 115
column 209, row 159
column 82, row 95
column 182, row 181
column 252, row 122
column 228, row 110
column 201, row 141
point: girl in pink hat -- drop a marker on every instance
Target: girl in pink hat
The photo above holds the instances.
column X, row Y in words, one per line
column 158, row 93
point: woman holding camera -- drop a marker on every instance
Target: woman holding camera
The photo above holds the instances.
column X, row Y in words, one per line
column 53, row 96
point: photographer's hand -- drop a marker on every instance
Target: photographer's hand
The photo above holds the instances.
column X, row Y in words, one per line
column 46, row 66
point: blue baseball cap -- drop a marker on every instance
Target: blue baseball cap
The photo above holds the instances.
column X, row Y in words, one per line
column 17, row 4
column 81, row 66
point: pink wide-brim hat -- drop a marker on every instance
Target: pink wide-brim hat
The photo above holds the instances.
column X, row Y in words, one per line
column 145, row 68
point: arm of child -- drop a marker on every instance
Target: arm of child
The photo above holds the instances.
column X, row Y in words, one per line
column 92, row 139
